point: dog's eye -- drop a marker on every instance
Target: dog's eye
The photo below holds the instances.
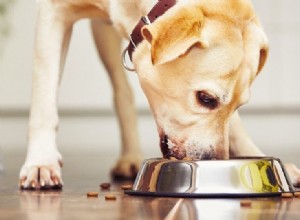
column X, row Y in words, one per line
column 207, row 100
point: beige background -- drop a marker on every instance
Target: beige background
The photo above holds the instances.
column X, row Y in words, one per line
column 88, row 124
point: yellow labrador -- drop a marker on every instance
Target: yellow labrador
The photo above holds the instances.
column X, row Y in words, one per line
column 195, row 59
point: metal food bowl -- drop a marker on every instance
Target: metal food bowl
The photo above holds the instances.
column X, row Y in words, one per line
column 238, row 177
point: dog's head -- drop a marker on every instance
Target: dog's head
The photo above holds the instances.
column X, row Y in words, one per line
column 196, row 65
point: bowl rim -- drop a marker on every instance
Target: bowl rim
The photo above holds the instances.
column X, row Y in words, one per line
column 213, row 195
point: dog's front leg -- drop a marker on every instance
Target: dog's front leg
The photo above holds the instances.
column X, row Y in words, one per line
column 109, row 47
column 240, row 142
column 42, row 167
column 242, row 145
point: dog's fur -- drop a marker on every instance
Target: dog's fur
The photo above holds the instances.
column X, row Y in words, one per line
column 196, row 65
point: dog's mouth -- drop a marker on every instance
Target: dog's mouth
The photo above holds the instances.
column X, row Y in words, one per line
column 172, row 149
column 169, row 150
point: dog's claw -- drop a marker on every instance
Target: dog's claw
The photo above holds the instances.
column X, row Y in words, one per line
column 33, row 185
column 41, row 177
column 61, row 163
column 56, row 182
column 294, row 174
column 22, row 182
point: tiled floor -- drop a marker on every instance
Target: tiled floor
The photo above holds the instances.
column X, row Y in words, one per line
column 85, row 172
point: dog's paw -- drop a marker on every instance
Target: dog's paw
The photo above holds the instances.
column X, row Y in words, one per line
column 41, row 176
column 127, row 167
column 294, row 173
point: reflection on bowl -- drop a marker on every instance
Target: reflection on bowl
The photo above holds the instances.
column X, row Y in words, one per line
column 238, row 177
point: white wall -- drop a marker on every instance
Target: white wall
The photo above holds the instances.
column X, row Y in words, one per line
column 278, row 84
column 83, row 70
column 272, row 116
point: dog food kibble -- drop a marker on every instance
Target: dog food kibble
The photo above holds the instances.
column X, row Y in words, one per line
column 110, row 197
column 126, row 186
column 105, row 185
column 287, row 195
column 92, row 194
column 297, row 194
column 187, row 159
column 245, row 203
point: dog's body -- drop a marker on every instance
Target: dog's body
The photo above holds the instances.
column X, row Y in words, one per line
column 195, row 64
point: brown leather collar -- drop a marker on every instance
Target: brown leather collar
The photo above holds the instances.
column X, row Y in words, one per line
column 159, row 9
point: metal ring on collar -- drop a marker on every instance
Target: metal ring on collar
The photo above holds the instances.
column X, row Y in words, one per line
column 124, row 60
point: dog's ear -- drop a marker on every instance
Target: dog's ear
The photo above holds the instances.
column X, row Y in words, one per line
column 263, row 54
column 174, row 34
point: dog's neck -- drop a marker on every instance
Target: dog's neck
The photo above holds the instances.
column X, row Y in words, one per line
column 129, row 14
column 125, row 14
column 158, row 10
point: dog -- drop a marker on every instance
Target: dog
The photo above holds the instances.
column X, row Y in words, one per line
column 195, row 60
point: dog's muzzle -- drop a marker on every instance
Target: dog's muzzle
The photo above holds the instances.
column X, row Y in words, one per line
column 181, row 150
column 169, row 150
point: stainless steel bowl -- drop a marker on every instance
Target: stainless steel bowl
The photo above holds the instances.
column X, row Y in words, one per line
column 238, row 177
